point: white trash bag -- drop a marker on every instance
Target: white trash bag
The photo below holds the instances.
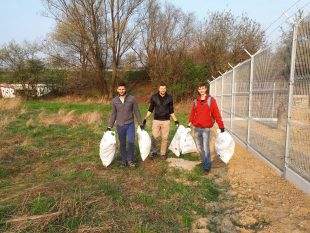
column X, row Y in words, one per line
column 144, row 141
column 224, row 146
column 175, row 143
column 187, row 143
column 107, row 148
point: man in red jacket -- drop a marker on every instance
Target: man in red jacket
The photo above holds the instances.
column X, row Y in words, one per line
column 204, row 112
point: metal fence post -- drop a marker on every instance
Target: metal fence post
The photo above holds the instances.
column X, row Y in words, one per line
column 232, row 107
column 250, row 98
column 290, row 98
column 273, row 99
column 215, row 91
column 222, row 95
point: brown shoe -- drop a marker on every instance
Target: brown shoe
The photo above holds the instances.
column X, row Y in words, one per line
column 164, row 157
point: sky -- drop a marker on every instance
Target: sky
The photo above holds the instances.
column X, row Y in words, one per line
column 23, row 19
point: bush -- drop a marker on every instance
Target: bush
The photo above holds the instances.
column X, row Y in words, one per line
column 34, row 72
column 55, row 79
column 135, row 76
column 192, row 75
column 5, row 77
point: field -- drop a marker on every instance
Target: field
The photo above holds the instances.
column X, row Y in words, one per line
column 50, row 164
column 52, row 180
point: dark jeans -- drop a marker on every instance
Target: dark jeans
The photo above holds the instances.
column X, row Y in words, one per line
column 126, row 136
column 202, row 137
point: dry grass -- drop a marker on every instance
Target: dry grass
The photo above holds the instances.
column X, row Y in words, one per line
column 91, row 117
column 35, row 217
column 276, row 200
column 68, row 118
column 81, row 99
column 183, row 107
column 20, row 224
column 30, row 123
column 10, row 104
column 5, row 121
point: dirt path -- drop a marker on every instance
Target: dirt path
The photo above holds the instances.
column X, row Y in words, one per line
column 257, row 200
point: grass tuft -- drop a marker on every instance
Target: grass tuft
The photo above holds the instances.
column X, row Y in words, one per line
column 41, row 205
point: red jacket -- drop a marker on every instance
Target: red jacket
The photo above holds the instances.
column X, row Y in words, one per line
column 201, row 117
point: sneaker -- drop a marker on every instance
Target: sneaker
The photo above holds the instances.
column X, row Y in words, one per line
column 206, row 172
column 131, row 164
column 153, row 155
column 123, row 164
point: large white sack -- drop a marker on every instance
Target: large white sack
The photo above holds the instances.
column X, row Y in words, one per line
column 107, row 148
column 224, row 146
column 175, row 143
column 187, row 143
column 145, row 143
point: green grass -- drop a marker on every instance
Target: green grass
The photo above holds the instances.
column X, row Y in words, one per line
column 6, row 210
column 112, row 190
column 56, row 106
column 47, row 169
column 6, row 78
column 41, row 205
column 4, row 172
column 145, row 199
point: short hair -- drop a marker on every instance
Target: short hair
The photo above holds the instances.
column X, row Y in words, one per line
column 162, row 84
column 202, row 84
column 121, row 84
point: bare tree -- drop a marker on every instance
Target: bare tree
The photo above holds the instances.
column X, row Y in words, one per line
column 25, row 65
column 82, row 29
column 13, row 56
column 224, row 37
column 101, row 34
column 165, row 41
column 96, row 32
column 248, row 34
column 123, row 28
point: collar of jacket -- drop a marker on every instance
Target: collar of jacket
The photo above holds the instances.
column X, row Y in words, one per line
column 199, row 98
column 124, row 98
column 165, row 96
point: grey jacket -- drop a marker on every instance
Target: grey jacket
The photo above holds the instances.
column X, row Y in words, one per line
column 123, row 113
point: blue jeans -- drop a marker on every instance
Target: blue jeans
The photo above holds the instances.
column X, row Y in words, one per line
column 126, row 135
column 202, row 137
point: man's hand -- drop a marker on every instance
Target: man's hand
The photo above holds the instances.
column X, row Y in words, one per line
column 222, row 130
column 176, row 123
column 109, row 129
column 189, row 124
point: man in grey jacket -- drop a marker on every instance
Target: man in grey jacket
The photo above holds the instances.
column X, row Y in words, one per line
column 124, row 108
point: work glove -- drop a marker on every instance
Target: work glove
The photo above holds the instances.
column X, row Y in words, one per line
column 222, row 130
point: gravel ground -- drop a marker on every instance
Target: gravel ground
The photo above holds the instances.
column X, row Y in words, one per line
column 257, row 199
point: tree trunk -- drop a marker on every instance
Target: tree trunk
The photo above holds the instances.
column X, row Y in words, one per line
column 113, row 79
column 102, row 83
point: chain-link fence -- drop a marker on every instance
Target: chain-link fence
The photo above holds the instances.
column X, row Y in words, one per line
column 265, row 102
